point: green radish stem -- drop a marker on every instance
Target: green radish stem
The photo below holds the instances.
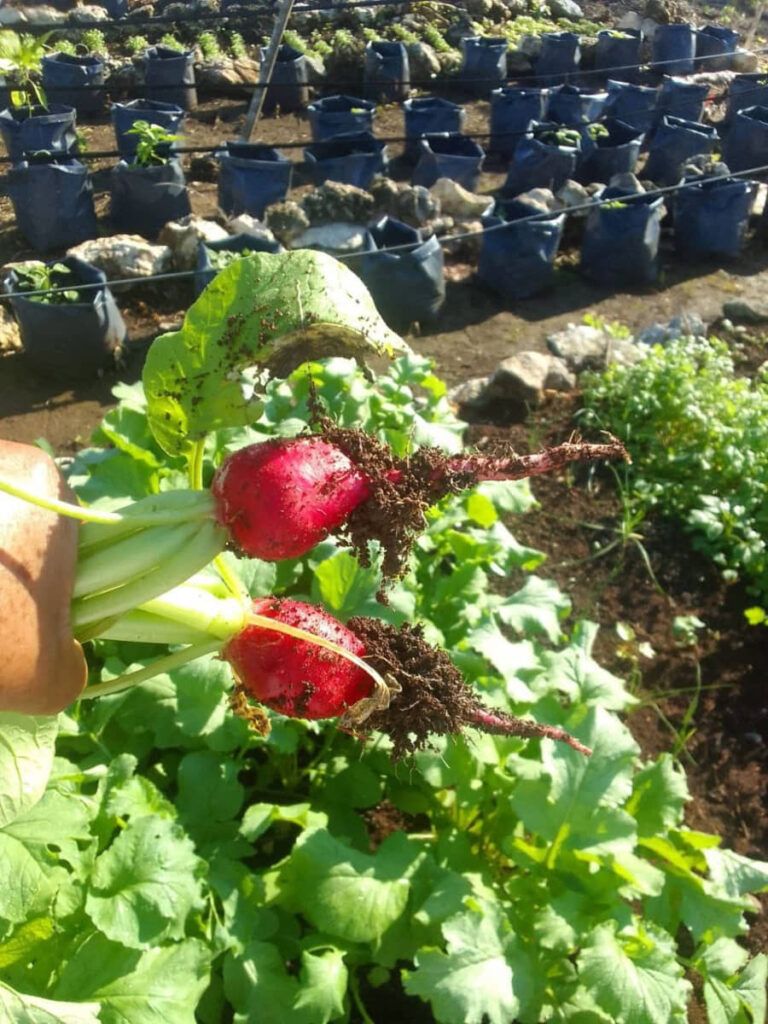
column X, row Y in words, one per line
column 197, row 609
column 142, row 675
column 208, row 542
column 130, row 557
column 143, row 627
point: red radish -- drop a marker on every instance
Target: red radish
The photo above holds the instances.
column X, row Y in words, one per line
column 426, row 693
column 281, row 497
column 292, row 676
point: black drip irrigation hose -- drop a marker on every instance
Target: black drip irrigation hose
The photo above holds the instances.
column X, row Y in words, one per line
column 443, row 240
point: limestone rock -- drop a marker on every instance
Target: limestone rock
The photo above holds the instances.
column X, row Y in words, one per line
column 467, row 249
column 565, row 9
column 43, row 14
column 559, row 377
column 415, row 206
column 574, row 194
column 744, row 62
column 423, row 61
column 183, row 238
column 244, row 224
column 457, row 201
column 334, row 238
column 520, row 380
column 334, row 201
column 580, row 347
column 631, row 20
column 627, row 181
column 286, row 220
column 87, row 13
column 10, row 338
column 541, row 200
column 752, row 312
column 228, row 74
column 124, row 256
column 470, row 396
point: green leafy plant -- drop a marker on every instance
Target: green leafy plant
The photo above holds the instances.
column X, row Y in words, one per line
column 94, row 41
column 222, row 259
column 434, row 38
column 37, row 276
column 136, row 44
column 152, row 149
column 21, row 57
column 209, row 46
column 699, row 440
column 170, row 40
column 66, row 46
column 567, row 137
column 236, row 45
column 597, row 131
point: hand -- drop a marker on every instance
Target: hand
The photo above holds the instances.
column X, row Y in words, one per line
column 42, row 667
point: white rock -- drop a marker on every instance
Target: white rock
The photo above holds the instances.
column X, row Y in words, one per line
column 627, row 181
column 333, row 238
column 540, row 199
column 631, row 19
column 86, row 13
column 244, row 224
column 44, row 14
column 574, row 194
column 559, row 377
column 744, row 62
column 456, row 201
column 470, row 395
column 228, row 74
column 124, row 256
column 10, row 339
column 520, row 380
column 565, row 9
column 580, row 347
column 648, row 28
column 183, row 237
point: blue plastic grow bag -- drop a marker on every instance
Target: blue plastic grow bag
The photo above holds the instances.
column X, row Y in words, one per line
column 558, row 58
column 169, row 76
column 74, row 81
column 53, row 201
column 673, row 144
column 538, row 163
column 618, row 55
column 715, row 46
column 570, row 105
column 115, row 8
column 428, row 115
column 635, row 105
column 125, row 116
column 621, row 244
column 386, row 72
column 711, row 217
column 681, row 99
column 251, row 177
column 674, row 49
column 485, row 63
column 205, row 271
column 449, row 155
column 144, row 199
column 353, row 159
column 29, row 131
column 517, row 257
column 289, row 86
column 747, row 91
column 606, row 155
column 512, row 110
column 408, row 285
column 746, row 144
column 340, row 115
column 73, row 339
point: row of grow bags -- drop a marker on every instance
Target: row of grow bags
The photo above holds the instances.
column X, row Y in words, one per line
column 77, row 81
column 621, row 239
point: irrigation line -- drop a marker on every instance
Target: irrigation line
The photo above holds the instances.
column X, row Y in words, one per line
column 443, row 240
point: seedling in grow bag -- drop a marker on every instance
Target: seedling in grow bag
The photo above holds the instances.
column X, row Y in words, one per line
column 38, row 276
column 567, row 137
column 152, row 147
column 21, row 56
column 222, row 259
column 597, row 131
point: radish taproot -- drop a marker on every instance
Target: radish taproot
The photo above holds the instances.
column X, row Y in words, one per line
column 424, row 693
column 280, row 498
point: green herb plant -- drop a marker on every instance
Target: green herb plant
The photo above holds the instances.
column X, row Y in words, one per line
column 152, row 147
column 36, row 276
column 21, row 57
column 136, row 45
column 209, row 46
column 94, row 41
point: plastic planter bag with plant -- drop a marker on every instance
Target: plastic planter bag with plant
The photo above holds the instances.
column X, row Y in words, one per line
column 169, row 76
column 609, row 148
column 52, row 198
column 518, row 252
column 484, row 67
column 635, row 105
column 618, row 53
column 125, row 115
column 427, row 115
column 674, row 48
column 621, row 238
column 74, row 333
column 150, row 190
column 251, row 177
column 746, row 143
column 512, row 110
column 673, row 144
column 38, row 129
column 559, row 57
column 711, row 217
column 407, row 285
column 75, row 81
column 288, row 88
column 572, row 106
column 353, row 159
column 213, row 257
column 545, row 158
column 340, row 115
column 449, row 155
column 387, row 71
